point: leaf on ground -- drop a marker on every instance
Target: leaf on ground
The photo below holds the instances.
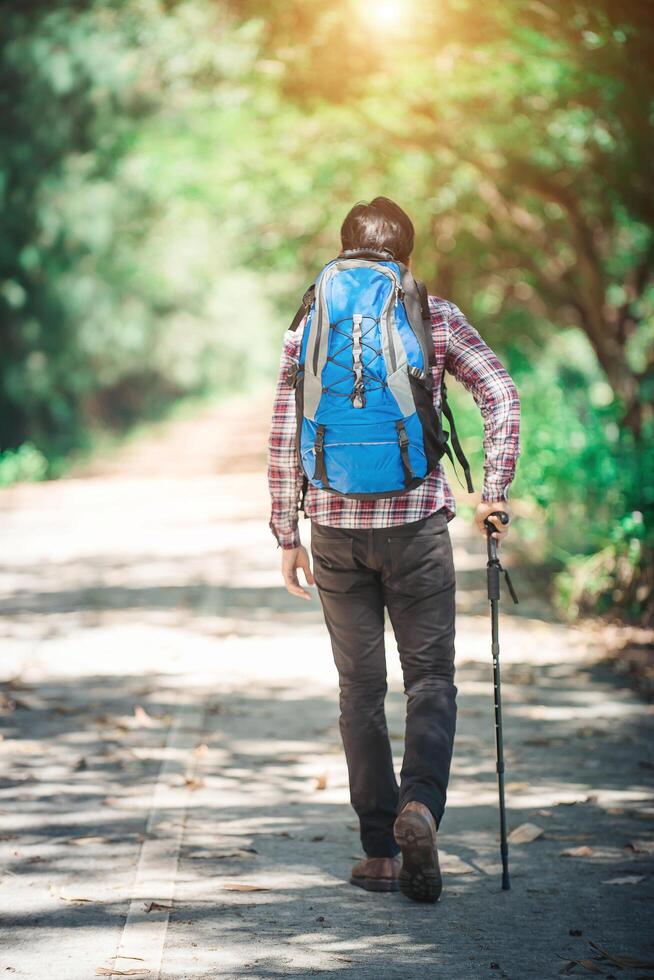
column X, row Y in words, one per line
column 237, row 886
column 321, row 781
column 525, row 833
column 107, row 971
column 69, row 898
column 317, row 837
column 590, row 965
column 625, row 880
column 142, row 718
column 624, row 961
column 86, row 841
column 201, row 750
column 193, row 783
column 577, row 852
column 243, row 852
column 156, row 907
column 641, row 846
column 7, row 705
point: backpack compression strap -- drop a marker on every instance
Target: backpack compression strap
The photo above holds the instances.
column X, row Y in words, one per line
column 426, row 320
column 447, row 411
column 456, row 445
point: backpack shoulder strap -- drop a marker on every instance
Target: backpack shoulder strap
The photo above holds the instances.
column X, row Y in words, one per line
column 426, row 320
column 304, row 307
column 414, row 297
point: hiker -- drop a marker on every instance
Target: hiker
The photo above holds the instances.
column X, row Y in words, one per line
column 368, row 347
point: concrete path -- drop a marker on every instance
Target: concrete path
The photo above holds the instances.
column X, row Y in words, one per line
column 173, row 798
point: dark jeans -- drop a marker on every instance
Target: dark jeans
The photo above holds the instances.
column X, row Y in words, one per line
column 409, row 569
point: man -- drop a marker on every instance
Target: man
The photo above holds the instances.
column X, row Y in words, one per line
column 394, row 553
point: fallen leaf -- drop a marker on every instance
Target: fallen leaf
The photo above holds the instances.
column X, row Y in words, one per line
column 69, row 898
column 641, row 846
column 577, row 852
column 107, row 971
column 142, row 718
column 201, row 750
column 192, row 783
column 243, row 852
column 590, row 965
column 156, row 907
column 235, row 886
column 321, row 781
column 525, row 833
column 85, row 841
column 625, row 880
column 623, row 961
column 318, row 837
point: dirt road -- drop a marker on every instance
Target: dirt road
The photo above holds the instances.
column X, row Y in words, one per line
column 174, row 798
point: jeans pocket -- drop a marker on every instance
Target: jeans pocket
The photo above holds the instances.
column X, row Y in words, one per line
column 334, row 568
column 420, row 564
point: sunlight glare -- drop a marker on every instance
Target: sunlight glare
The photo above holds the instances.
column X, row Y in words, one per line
column 383, row 15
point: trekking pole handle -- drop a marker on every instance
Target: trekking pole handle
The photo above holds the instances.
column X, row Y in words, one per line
column 491, row 542
column 504, row 519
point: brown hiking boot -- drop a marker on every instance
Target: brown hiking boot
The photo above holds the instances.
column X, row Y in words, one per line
column 377, row 874
column 415, row 832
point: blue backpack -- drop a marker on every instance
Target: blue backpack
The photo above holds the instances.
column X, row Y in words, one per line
column 367, row 426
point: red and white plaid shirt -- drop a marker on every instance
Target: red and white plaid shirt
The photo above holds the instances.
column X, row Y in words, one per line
column 459, row 350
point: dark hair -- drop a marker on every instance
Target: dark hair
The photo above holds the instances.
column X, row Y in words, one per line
column 380, row 224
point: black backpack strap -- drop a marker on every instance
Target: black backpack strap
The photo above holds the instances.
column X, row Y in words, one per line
column 456, row 445
column 305, row 305
column 417, row 311
column 426, row 320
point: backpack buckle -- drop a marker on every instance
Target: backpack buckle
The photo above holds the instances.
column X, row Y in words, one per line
column 403, row 438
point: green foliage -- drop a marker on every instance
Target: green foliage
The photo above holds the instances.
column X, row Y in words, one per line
column 25, row 464
column 588, row 488
column 118, row 290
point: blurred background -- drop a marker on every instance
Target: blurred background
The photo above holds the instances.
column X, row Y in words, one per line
column 174, row 174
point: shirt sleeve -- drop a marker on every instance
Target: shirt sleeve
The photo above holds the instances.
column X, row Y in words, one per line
column 284, row 474
column 474, row 364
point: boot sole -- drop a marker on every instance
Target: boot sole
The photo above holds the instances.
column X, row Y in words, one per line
column 420, row 878
column 376, row 884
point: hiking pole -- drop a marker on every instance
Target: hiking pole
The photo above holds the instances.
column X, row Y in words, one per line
column 493, row 569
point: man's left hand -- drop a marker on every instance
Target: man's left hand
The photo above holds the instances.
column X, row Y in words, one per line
column 484, row 510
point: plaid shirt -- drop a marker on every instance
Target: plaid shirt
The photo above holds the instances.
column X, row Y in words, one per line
column 459, row 350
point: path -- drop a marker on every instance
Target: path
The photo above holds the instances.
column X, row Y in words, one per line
column 170, row 737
